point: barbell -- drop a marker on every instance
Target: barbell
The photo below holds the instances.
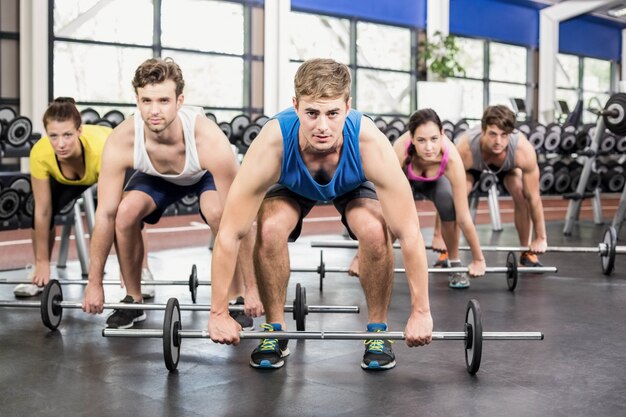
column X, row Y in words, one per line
column 512, row 270
column 607, row 249
column 52, row 304
column 173, row 333
column 192, row 282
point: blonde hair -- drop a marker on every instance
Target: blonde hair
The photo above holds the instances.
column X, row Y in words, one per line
column 322, row 78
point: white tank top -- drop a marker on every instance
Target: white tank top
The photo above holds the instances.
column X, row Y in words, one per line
column 192, row 172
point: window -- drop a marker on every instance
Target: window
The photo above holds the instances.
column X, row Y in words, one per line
column 383, row 79
column 9, row 54
column 97, row 45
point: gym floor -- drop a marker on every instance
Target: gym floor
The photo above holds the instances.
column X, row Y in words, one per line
column 578, row 370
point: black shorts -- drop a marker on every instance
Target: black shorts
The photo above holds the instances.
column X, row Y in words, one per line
column 62, row 195
column 365, row 190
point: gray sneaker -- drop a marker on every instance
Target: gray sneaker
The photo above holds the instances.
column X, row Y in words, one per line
column 458, row 280
column 147, row 291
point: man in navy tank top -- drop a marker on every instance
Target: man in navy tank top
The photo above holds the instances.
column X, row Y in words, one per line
column 321, row 150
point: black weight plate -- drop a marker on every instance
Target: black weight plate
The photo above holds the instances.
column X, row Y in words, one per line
column 114, row 116
column 511, row 271
column 210, row 116
column 51, row 311
column 321, row 270
column 9, row 203
column 105, row 123
column 250, row 133
column 552, row 141
column 18, row 131
column 89, row 116
column 171, row 339
column 68, row 208
column 392, row 133
column 607, row 259
column 238, row 125
column 474, row 341
column 380, row 124
column 537, row 139
column 7, row 114
column 193, row 283
column 28, row 207
column 21, row 184
column 299, row 308
column 616, row 123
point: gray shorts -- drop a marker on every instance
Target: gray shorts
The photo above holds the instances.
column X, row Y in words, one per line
column 365, row 190
column 440, row 193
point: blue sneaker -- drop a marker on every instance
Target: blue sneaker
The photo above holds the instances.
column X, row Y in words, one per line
column 458, row 280
column 270, row 353
column 378, row 355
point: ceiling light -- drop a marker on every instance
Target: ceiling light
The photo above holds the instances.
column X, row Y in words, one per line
column 617, row 12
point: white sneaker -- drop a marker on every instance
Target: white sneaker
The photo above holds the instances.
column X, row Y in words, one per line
column 147, row 291
column 28, row 290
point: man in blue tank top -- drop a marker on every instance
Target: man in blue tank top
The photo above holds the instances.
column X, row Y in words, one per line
column 321, row 149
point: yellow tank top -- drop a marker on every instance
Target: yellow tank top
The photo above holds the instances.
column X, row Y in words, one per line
column 43, row 163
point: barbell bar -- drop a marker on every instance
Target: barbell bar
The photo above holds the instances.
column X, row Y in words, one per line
column 173, row 333
column 52, row 305
column 512, row 270
column 606, row 249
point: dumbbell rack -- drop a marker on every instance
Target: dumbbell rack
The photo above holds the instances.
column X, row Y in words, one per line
column 84, row 203
column 576, row 198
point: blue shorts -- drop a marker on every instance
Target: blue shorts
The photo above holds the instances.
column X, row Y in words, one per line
column 165, row 193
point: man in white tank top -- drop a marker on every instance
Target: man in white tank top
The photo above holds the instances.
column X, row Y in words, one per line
column 508, row 154
column 176, row 151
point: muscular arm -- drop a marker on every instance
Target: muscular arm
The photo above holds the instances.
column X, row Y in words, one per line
column 526, row 160
column 117, row 156
column 381, row 167
column 42, row 216
column 259, row 170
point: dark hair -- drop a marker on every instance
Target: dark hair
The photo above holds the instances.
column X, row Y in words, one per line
column 60, row 110
column 157, row 70
column 500, row 116
column 418, row 118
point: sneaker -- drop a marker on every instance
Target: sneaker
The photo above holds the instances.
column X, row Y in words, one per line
column 458, row 280
column 378, row 355
column 270, row 353
column 27, row 290
column 442, row 261
column 529, row 259
column 124, row 319
column 246, row 322
column 147, row 291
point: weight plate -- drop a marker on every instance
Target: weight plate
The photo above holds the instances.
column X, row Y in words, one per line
column 299, row 308
column 392, row 133
column 380, row 124
column 193, row 283
column 89, row 116
column 537, row 139
column 474, row 340
column 616, row 122
column 511, row 271
column 67, row 209
column 238, row 125
column 21, row 184
column 189, row 200
column 51, row 311
column 210, row 116
column 607, row 259
column 321, row 270
column 29, row 205
column 7, row 114
column 261, row 120
column 171, row 339
column 9, row 203
column 250, row 133
column 18, row 131
column 552, row 141
column 398, row 124
column 115, row 117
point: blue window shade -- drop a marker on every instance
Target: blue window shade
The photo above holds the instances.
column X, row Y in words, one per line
column 495, row 20
column 589, row 36
column 410, row 13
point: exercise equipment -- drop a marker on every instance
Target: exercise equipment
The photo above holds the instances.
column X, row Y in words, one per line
column 472, row 334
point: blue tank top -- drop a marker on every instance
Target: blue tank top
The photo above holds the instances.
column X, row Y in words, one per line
column 296, row 176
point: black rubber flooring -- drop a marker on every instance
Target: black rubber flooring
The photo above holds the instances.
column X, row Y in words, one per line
column 578, row 370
